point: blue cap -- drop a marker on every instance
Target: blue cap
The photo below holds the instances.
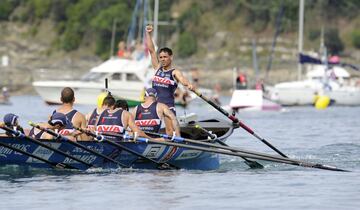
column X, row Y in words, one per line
column 151, row 92
column 58, row 118
column 10, row 119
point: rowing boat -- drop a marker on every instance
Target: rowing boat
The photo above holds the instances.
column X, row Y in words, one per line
column 177, row 156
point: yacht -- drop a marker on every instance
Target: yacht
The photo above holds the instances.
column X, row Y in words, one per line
column 334, row 82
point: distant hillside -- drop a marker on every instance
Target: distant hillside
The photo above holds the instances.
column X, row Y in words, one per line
column 211, row 34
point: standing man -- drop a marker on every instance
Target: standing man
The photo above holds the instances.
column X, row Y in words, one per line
column 166, row 77
column 75, row 117
column 149, row 114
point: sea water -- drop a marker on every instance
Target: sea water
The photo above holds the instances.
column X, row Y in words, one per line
column 330, row 136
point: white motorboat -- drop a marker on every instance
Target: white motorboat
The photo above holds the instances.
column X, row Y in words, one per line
column 126, row 80
column 335, row 83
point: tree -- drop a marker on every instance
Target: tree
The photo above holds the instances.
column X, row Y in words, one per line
column 333, row 41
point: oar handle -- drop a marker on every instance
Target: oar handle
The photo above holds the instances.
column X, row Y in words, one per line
column 89, row 133
column 210, row 134
column 15, row 132
column 51, row 132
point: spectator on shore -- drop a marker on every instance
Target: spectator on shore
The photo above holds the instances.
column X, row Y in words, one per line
column 241, row 81
column 122, row 50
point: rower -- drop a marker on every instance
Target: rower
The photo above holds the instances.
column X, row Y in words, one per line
column 57, row 122
column 149, row 115
column 12, row 121
column 76, row 118
column 166, row 77
column 107, row 103
column 117, row 120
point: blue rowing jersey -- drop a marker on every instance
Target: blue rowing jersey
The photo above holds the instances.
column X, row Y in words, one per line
column 93, row 119
column 36, row 136
column 69, row 128
column 110, row 121
column 147, row 119
column 165, row 85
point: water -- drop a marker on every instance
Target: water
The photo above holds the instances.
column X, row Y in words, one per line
column 328, row 137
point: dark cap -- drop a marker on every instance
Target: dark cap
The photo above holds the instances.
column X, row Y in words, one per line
column 151, row 92
column 10, row 119
column 58, row 119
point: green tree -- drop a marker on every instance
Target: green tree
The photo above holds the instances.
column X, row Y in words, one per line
column 333, row 41
column 6, row 8
column 186, row 45
column 355, row 36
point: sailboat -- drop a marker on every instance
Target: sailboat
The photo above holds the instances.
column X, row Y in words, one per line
column 322, row 78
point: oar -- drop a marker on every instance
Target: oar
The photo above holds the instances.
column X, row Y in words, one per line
column 160, row 165
column 58, row 136
column 252, row 164
column 237, row 121
column 55, row 165
column 19, row 134
column 239, row 153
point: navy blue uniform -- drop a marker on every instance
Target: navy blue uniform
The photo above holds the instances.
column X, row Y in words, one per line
column 93, row 119
column 165, row 85
column 36, row 136
column 147, row 119
column 69, row 129
column 110, row 121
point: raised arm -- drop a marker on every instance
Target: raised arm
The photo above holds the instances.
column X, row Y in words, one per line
column 180, row 78
column 151, row 47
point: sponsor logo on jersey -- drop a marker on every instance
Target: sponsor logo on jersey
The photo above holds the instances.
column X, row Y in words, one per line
column 150, row 122
column 110, row 128
column 161, row 80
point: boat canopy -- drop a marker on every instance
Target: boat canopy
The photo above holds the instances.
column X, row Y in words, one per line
column 319, row 71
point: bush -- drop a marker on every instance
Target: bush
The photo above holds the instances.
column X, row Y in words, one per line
column 333, row 41
column 187, row 45
column 313, row 34
column 355, row 38
column 6, row 7
column 71, row 40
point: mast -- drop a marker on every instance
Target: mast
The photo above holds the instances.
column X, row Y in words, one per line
column 301, row 32
column 156, row 13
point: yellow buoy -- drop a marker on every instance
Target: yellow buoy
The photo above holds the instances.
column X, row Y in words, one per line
column 322, row 102
column 101, row 98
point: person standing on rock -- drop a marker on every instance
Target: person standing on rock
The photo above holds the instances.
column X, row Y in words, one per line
column 166, row 78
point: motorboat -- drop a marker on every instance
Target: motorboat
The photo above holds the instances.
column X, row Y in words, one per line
column 127, row 79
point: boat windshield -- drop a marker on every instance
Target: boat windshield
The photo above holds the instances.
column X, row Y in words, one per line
column 93, row 76
column 132, row 77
